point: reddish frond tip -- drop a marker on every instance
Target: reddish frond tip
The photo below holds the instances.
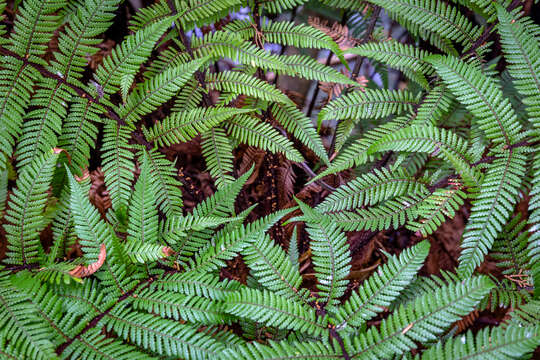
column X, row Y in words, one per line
column 83, row 271
column 60, row 150
column 167, row 251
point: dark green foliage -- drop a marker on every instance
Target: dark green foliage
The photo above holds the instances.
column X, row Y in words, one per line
column 149, row 274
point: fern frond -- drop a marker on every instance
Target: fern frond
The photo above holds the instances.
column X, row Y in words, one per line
column 306, row 67
column 272, row 268
column 28, row 333
column 330, row 255
column 184, row 126
column 223, row 44
column 482, row 97
column 148, row 15
column 118, row 165
column 156, row 91
column 435, row 141
column 300, row 126
column 492, row 208
column 239, row 83
column 513, row 342
column 218, row 155
column 357, row 153
column 398, row 56
column 282, row 350
column 167, row 187
column 436, row 104
column 382, row 288
column 432, row 212
column 510, row 247
column 273, row 310
column 423, row 319
column 126, row 57
column 522, row 52
column 249, row 130
column 197, row 284
column 162, row 335
column 25, row 210
column 177, row 306
column 369, row 104
column 434, row 16
column 227, row 243
column 370, row 189
column 389, row 214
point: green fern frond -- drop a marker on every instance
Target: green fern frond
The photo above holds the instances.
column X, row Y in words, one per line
column 435, row 105
column 197, row 284
column 223, row 44
column 389, row 214
column 184, row 126
column 382, row 288
column 156, row 91
column 239, row 83
column 510, row 247
column 25, row 210
column 227, row 243
column 534, row 220
column 162, row 335
column 522, row 52
column 435, row 141
column 282, row 350
column 273, row 310
column 218, row 155
column 148, row 15
column 370, row 189
column 127, row 57
column 118, row 165
column 272, row 268
column 482, row 97
column 398, row 56
column 423, row 319
column 331, row 256
column 357, row 153
column 492, row 208
column 513, row 342
column 434, row 16
column 300, row 126
column 177, row 306
column 163, row 173
column 306, row 67
column 369, row 104
column 440, row 204
column 28, row 333
column 249, row 130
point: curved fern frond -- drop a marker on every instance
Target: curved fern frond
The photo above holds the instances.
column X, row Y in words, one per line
column 218, row 155
column 180, row 307
column 389, row 214
column 197, row 284
column 398, row 56
column 163, row 173
column 118, row 164
column 223, row 44
column 482, row 97
column 435, row 17
column 249, row 130
column 369, row 104
column 184, row 126
column 522, row 52
column 299, row 125
column 306, row 67
column 156, row 91
column 272, row 268
column 513, row 342
column 432, row 212
column 266, row 307
column 330, row 255
column 422, row 319
column 382, row 288
column 239, row 83
column 162, row 335
column 435, row 141
column 370, row 189
column 25, row 210
column 492, row 208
